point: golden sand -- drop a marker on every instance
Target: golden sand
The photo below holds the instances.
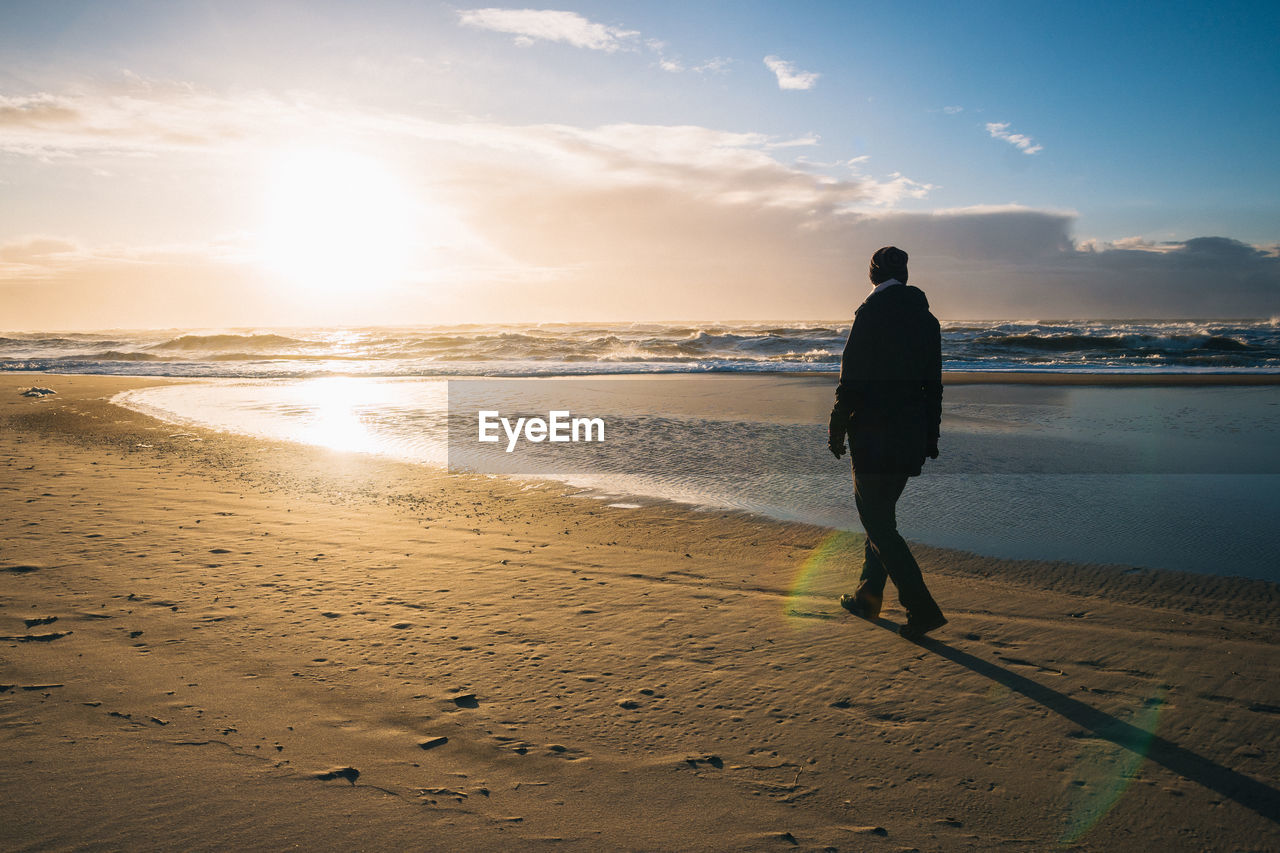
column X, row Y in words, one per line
column 217, row 642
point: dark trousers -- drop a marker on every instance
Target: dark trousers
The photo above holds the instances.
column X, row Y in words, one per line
column 887, row 554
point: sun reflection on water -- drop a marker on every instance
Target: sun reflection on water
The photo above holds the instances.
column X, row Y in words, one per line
column 344, row 412
column 335, row 421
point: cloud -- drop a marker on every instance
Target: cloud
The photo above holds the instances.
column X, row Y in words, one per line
column 41, row 256
column 36, row 250
column 1202, row 277
column 1135, row 244
column 796, row 142
column 608, row 222
column 675, row 65
column 714, row 65
column 789, row 77
column 33, row 111
column 898, row 187
column 530, row 25
column 952, row 110
column 727, row 167
column 643, row 252
column 673, row 249
column 1024, row 143
column 143, row 120
column 37, row 257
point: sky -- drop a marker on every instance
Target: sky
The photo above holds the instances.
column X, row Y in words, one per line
column 215, row 164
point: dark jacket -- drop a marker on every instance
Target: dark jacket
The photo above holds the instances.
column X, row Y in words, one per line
column 890, row 395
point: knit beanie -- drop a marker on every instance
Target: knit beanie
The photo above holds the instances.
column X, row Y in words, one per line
column 889, row 262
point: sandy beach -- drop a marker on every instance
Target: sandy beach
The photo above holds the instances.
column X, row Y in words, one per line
column 215, row 642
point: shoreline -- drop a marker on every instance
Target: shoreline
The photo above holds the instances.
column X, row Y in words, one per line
column 240, row 615
column 1024, row 568
column 1051, row 377
column 1104, row 377
column 1116, row 574
column 1120, row 379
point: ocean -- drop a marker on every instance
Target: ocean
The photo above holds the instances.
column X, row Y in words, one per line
column 721, row 416
column 576, row 349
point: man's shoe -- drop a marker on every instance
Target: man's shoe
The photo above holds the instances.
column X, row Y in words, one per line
column 915, row 630
column 859, row 607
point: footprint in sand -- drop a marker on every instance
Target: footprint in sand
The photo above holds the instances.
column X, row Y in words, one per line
column 349, row 773
column 713, row 760
column 567, row 753
column 466, row 700
column 36, row 638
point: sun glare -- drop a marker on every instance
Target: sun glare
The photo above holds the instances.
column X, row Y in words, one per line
column 336, row 222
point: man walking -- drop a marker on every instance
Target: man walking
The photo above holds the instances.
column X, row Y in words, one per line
column 889, row 405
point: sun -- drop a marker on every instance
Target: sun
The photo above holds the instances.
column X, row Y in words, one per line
column 336, row 221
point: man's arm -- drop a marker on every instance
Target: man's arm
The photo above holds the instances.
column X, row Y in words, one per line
column 850, row 392
column 933, row 390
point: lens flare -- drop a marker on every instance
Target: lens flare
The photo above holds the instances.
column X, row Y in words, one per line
column 1106, row 767
column 831, row 557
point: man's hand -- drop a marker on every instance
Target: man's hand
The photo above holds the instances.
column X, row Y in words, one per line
column 836, row 431
column 933, row 449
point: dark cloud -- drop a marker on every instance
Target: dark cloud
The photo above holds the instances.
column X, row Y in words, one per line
column 1202, row 277
column 661, row 252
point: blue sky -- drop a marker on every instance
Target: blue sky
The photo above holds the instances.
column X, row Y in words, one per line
column 1125, row 131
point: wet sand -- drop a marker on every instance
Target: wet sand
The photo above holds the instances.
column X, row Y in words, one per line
column 217, row 642
column 1111, row 379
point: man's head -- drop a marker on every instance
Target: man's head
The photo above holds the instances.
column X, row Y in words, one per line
column 889, row 262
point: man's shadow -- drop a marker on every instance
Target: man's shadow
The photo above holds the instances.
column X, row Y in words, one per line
column 1242, row 789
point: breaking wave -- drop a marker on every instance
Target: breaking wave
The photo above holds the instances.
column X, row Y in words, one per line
column 563, row 349
column 217, row 343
